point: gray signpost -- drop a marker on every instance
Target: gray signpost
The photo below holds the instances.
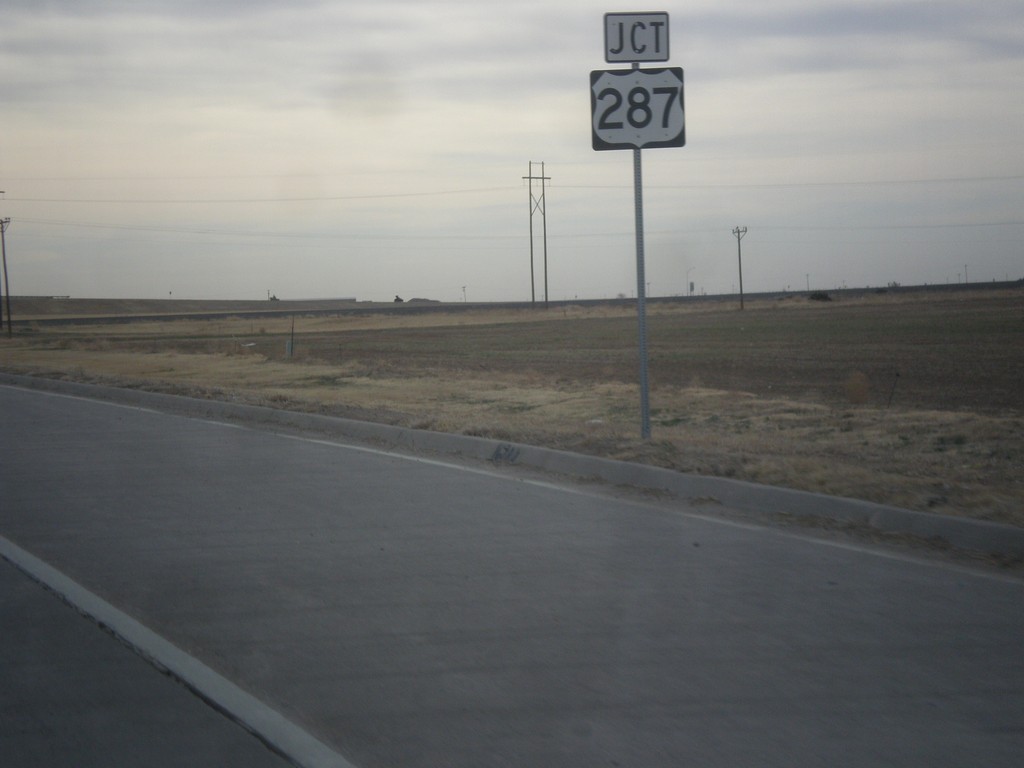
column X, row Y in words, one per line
column 638, row 109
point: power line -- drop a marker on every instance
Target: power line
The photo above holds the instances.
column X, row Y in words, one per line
column 262, row 234
column 855, row 227
column 207, row 201
column 808, row 184
column 485, row 190
column 491, row 236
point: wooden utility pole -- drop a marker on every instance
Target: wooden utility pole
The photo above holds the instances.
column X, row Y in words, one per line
column 538, row 203
column 4, row 223
column 740, row 232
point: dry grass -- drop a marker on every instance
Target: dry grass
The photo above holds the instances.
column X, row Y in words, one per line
column 787, row 393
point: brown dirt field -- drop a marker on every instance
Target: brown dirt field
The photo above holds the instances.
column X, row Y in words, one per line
column 914, row 400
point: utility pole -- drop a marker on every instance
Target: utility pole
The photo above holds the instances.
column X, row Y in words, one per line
column 740, row 232
column 4, row 228
column 538, row 203
column 4, row 223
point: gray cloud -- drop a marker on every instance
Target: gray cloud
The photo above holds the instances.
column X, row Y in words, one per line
column 858, row 35
column 352, row 105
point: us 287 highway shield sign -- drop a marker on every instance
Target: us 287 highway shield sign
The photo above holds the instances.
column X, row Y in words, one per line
column 637, row 108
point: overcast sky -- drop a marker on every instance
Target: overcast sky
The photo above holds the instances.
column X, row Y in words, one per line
column 333, row 148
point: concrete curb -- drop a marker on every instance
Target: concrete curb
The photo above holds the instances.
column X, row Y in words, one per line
column 960, row 533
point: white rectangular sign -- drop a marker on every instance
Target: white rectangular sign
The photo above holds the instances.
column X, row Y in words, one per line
column 635, row 37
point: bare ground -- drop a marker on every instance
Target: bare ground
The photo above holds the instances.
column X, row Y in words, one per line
column 912, row 400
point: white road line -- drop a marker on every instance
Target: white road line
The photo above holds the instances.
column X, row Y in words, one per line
column 264, row 722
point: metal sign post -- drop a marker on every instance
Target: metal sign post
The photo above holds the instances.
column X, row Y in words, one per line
column 637, row 109
column 641, row 296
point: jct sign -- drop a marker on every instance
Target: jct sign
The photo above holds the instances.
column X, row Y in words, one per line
column 637, row 109
column 635, row 37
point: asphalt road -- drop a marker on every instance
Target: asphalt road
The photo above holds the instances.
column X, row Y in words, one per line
column 401, row 611
column 72, row 695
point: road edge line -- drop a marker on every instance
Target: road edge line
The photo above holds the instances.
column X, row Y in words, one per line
column 265, row 723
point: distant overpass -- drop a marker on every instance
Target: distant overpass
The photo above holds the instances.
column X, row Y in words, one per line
column 69, row 311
